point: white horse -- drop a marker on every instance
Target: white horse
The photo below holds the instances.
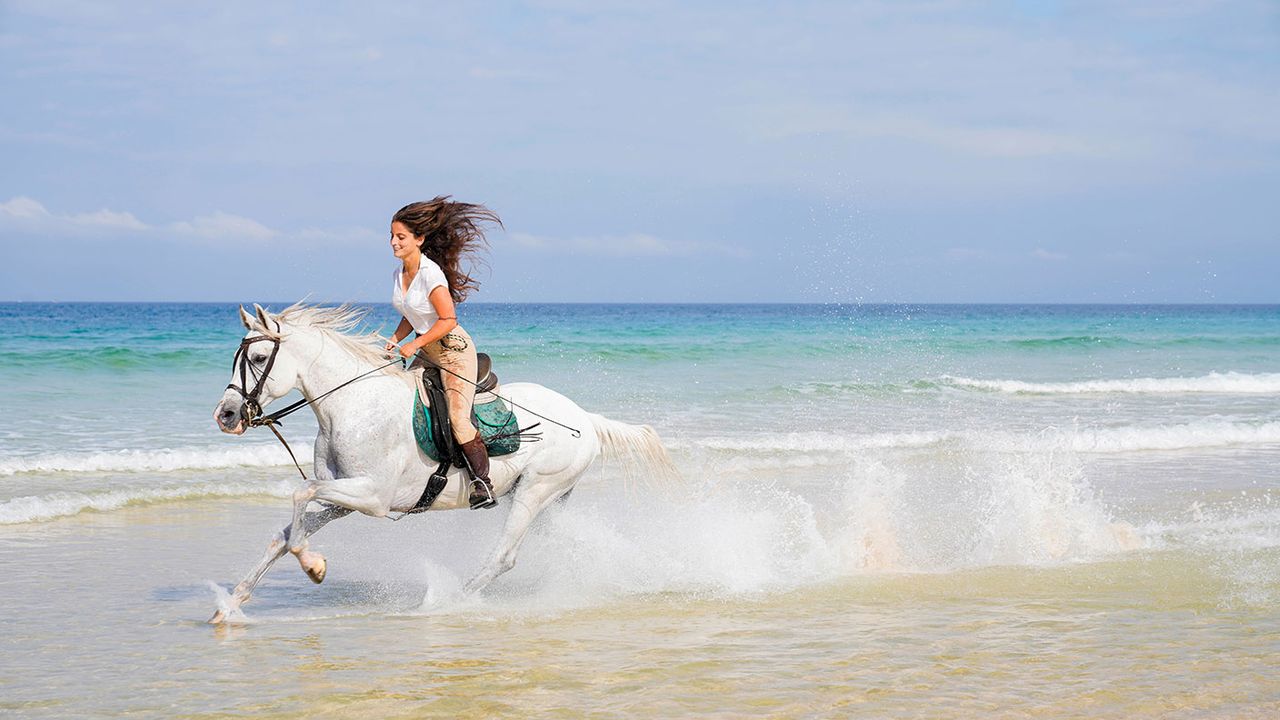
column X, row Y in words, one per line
column 366, row 457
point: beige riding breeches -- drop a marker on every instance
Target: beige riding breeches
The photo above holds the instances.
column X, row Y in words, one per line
column 455, row 353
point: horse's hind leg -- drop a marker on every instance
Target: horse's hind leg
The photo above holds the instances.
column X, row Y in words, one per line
column 528, row 501
column 311, row 522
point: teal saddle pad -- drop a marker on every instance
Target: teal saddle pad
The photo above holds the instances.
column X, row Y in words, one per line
column 496, row 422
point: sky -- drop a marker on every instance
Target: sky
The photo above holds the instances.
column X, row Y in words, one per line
column 645, row 152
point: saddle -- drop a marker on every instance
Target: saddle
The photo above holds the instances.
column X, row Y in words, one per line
column 433, row 430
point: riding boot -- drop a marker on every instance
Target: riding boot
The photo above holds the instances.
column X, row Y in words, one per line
column 478, row 463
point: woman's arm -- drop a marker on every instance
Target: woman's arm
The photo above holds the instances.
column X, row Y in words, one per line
column 442, row 301
column 402, row 332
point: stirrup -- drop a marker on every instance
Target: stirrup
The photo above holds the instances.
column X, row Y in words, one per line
column 482, row 495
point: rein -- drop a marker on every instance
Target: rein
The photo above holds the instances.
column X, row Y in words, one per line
column 270, row 421
column 253, row 408
column 572, row 431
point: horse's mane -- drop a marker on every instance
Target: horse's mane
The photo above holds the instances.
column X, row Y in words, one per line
column 344, row 325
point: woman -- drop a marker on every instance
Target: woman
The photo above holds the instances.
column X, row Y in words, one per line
column 431, row 239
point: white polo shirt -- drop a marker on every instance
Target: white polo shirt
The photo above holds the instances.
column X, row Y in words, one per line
column 415, row 303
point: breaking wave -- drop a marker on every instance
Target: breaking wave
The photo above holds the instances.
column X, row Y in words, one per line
column 163, row 460
column 881, row 515
column 65, row 504
column 1224, row 383
column 1202, row 434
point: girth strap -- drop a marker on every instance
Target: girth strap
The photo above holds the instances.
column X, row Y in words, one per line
column 435, row 485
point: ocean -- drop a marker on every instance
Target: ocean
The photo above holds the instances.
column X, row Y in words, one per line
column 887, row 511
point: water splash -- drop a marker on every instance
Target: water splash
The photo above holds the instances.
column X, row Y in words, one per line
column 225, row 605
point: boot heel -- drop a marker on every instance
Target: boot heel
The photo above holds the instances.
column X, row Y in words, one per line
column 478, row 463
column 482, row 495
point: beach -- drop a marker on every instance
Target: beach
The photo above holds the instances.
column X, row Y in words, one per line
column 887, row 511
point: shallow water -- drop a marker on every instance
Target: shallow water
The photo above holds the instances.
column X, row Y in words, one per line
column 104, row 618
column 890, row 512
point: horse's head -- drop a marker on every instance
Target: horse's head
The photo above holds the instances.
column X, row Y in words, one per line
column 263, row 371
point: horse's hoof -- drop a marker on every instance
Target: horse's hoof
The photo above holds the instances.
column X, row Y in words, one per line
column 316, row 572
column 218, row 618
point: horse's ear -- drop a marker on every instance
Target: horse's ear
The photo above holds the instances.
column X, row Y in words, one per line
column 262, row 315
column 246, row 319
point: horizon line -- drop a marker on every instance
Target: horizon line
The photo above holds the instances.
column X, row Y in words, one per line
column 1004, row 303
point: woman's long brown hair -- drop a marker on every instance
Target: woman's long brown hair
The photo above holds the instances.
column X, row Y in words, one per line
column 451, row 232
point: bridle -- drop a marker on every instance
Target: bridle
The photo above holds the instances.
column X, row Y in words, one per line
column 252, row 398
column 252, row 411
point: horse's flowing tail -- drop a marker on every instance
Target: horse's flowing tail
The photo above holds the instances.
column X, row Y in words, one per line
column 639, row 449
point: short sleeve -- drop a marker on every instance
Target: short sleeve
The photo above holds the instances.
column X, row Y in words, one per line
column 431, row 275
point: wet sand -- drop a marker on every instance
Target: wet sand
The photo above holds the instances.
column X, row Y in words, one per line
column 104, row 617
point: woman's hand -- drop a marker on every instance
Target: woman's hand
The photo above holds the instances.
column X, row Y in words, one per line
column 390, row 347
column 408, row 350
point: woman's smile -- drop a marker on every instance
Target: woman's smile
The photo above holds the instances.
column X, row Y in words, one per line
column 403, row 244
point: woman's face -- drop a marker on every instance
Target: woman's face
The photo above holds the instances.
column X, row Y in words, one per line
column 403, row 243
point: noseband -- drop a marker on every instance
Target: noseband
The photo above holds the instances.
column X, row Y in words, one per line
column 252, row 402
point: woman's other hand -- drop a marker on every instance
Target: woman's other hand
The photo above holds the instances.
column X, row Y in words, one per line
column 407, row 350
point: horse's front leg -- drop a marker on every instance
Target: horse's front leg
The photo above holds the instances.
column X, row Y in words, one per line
column 312, row 522
column 360, row 493
column 313, row 563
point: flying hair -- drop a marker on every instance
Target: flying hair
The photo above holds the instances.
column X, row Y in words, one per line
column 451, row 234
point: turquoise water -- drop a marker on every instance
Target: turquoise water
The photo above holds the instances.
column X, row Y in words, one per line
column 114, row 400
column 865, row 486
column 140, row 367
column 130, row 387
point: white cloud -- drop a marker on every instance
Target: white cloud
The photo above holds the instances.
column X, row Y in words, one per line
column 338, row 236
column 109, row 219
column 224, row 226
column 23, row 207
column 631, row 245
column 31, row 216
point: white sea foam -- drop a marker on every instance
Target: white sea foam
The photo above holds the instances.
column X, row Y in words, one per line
column 1202, row 434
column 64, row 504
column 1223, row 383
column 1244, row 524
column 748, row 455
column 163, row 460
column 740, row 534
column 1198, row 435
column 811, row 441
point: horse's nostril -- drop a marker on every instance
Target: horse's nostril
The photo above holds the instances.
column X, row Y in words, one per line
column 227, row 416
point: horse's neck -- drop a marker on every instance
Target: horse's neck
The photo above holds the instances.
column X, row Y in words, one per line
column 334, row 366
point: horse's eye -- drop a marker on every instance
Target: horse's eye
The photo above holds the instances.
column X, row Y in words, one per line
column 258, row 359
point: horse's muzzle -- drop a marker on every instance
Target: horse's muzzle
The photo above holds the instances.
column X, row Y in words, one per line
column 230, row 419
